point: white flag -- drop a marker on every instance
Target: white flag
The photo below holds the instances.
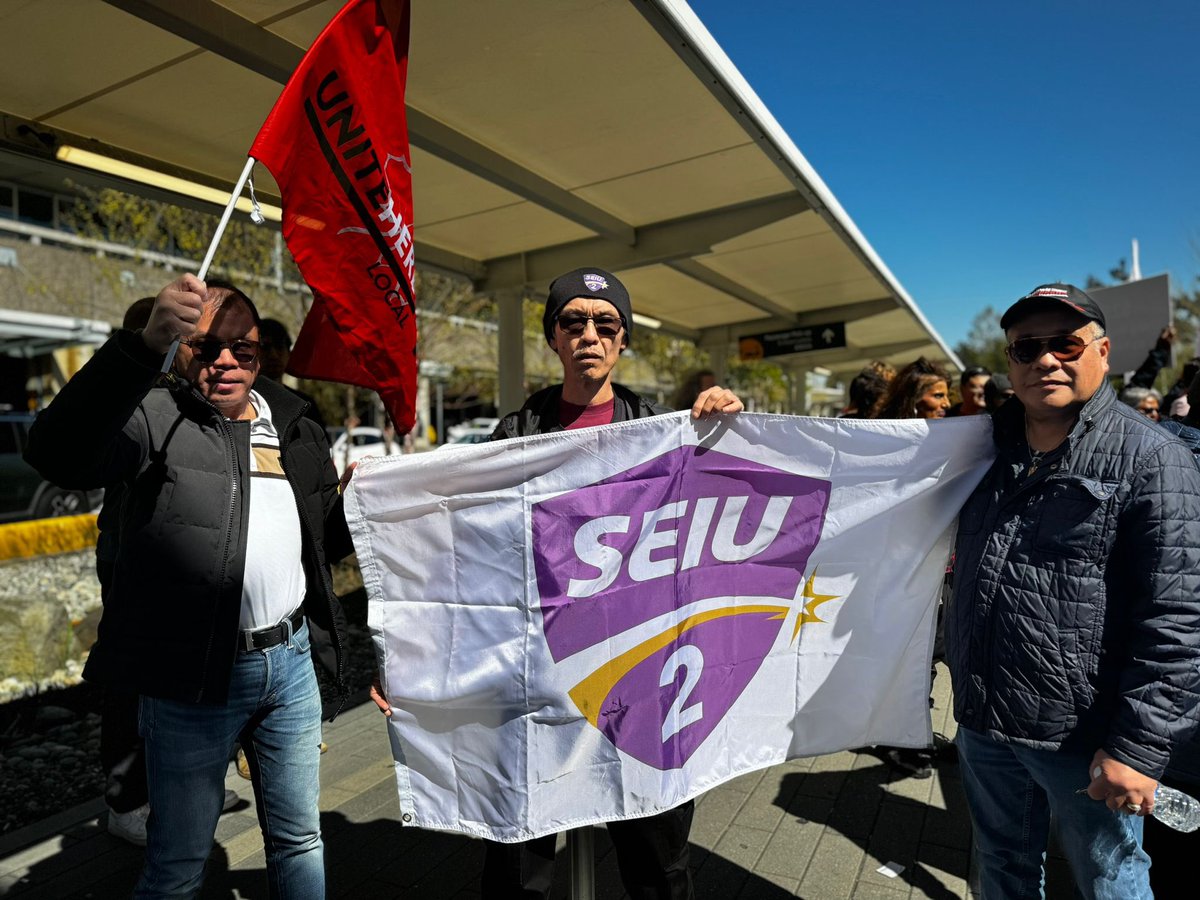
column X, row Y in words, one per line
column 599, row 624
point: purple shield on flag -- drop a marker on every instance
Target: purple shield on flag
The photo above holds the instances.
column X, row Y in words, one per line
column 644, row 545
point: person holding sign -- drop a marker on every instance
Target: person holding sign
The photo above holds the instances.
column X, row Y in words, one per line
column 587, row 322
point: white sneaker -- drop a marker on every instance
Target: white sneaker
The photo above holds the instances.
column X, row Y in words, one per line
column 231, row 800
column 129, row 826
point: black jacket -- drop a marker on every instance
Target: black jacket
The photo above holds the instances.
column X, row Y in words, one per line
column 539, row 415
column 1075, row 619
column 178, row 537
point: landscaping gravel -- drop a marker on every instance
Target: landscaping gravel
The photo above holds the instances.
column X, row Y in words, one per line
column 50, row 739
column 71, row 577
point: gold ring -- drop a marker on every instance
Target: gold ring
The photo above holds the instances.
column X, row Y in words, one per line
column 1133, row 807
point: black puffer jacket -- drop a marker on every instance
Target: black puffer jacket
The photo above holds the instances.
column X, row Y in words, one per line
column 1075, row 620
column 539, row 415
column 178, row 547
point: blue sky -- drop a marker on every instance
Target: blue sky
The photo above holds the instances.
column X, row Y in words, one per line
column 985, row 148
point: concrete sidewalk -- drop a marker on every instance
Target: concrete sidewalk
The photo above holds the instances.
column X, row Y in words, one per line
column 816, row 828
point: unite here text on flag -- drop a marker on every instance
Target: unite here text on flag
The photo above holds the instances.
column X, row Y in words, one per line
column 337, row 143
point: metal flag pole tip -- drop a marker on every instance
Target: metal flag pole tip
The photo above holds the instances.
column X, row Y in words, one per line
column 212, row 247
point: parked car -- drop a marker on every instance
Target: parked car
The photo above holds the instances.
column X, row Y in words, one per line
column 362, row 442
column 479, row 423
column 24, row 494
column 470, row 436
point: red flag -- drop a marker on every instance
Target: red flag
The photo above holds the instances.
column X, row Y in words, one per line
column 337, row 143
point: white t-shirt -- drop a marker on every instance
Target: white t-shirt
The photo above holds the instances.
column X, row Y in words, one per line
column 274, row 583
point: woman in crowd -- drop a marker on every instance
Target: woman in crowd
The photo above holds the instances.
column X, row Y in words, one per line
column 921, row 390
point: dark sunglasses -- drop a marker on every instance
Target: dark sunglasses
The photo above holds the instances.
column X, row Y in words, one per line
column 209, row 349
column 575, row 325
column 1063, row 347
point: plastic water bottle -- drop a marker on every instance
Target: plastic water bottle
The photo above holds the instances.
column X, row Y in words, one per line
column 1176, row 809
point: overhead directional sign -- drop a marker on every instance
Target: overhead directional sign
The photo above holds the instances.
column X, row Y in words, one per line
column 794, row 340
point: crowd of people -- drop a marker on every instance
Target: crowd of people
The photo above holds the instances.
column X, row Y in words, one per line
column 1072, row 618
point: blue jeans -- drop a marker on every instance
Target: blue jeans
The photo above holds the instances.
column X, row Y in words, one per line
column 1013, row 790
column 274, row 709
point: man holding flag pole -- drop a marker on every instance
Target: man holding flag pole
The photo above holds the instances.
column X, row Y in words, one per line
column 231, row 508
column 229, row 515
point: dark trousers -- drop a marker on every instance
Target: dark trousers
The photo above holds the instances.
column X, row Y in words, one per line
column 652, row 854
column 122, row 753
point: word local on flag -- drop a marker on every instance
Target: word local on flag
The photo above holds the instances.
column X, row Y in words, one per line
column 599, row 624
column 337, row 143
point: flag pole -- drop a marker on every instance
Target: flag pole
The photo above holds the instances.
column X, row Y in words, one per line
column 212, row 247
column 581, row 851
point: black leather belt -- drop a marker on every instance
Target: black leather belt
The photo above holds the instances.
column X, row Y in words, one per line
column 263, row 638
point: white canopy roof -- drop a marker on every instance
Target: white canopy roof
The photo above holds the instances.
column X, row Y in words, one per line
column 546, row 136
column 28, row 334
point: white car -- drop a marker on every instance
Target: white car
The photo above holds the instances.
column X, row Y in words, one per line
column 470, row 436
column 480, row 423
column 364, row 441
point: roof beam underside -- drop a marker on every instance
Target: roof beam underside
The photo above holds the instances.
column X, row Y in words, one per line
column 221, row 31
column 841, row 357
column 686, row 35
column 848, row 312
column 697, row 271
column 660, row 242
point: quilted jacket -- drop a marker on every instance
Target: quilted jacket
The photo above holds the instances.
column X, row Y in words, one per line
column 1075, row 618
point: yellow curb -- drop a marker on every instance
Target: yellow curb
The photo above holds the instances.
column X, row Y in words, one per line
column 41, row 537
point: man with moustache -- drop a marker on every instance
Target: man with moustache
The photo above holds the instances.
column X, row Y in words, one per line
column 1073, row 635
column 229, row 511
column 588, row 322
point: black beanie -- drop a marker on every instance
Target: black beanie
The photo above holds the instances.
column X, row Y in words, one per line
column 587, row 283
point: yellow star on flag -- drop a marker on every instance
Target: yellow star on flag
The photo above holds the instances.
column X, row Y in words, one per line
column 808, row 612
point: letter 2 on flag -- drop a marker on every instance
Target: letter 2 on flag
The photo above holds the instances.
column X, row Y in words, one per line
column 598, row 624
column 337, row 143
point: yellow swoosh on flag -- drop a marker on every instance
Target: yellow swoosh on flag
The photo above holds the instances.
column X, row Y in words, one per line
column 589, row 694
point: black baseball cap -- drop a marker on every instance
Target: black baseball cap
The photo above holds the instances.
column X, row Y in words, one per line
column 1052, row 295
column 587, row 283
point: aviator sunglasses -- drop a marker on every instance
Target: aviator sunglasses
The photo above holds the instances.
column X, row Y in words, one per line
column 1063, row 347
column 575, row 324
column 208, row 349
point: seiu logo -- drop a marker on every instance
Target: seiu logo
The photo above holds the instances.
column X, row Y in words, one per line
column 661, row 530
column 631, row 555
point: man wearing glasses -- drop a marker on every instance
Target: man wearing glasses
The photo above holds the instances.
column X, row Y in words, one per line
column 1073, row 636
column 587, row 322
column 229, row 513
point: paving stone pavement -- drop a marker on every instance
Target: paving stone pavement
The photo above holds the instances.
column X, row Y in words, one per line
column 817, row 828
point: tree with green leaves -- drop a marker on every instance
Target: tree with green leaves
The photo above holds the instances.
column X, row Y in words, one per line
column 984, row 343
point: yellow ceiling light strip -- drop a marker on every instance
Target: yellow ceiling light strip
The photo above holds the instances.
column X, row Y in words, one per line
column 88, row 160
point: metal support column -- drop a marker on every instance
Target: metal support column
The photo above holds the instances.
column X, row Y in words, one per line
column 511, row 350
column 717, row 348
column 799, row 398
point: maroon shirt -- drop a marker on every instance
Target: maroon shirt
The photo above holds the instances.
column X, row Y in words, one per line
column 571, row 416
